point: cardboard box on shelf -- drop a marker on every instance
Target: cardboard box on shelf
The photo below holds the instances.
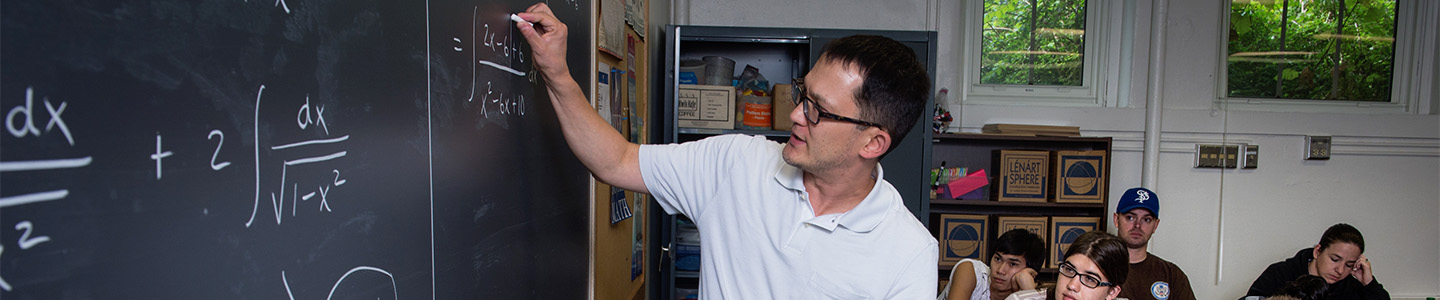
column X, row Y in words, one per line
column 1022, row 175
column 1035, row 224
column 1065, row 230
column 783, row 105
column 705, row 106
column 962, row 236
column 1079, row 176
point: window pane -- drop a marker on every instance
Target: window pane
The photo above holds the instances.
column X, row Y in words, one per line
column 1312, row 49
column 1034, row 42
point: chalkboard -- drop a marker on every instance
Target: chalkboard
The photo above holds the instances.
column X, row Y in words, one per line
column 284, row 149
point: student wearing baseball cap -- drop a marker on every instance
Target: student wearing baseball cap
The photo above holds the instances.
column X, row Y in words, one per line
column 1136, row 217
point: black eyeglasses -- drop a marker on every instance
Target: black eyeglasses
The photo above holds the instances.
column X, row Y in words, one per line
column 1068, row 270
column 813, row 115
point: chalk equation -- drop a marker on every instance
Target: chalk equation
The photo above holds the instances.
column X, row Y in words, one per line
column 575, row 4
column 502, row 52
column 20, row 122
column 320, row 115
column 307, row 117
column 281, row 4
column 28, row 121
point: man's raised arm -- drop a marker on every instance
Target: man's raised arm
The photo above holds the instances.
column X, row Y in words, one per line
column 604, row 151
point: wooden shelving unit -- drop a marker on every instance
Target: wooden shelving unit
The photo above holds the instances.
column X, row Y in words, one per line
column 975, row 151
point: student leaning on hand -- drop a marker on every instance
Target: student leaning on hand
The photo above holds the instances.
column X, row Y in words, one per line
column 1339, row 258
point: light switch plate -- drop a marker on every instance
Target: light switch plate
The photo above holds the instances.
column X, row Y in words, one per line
column 1317, row 147
column 1231, row 156
column 1250, row 159
column 1227, row 156
column 1215, row 156
column 1208, row 156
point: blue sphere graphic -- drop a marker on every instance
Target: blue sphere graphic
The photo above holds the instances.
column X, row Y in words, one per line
column 1081, row 178
column 963, row 241
column 1065, row 239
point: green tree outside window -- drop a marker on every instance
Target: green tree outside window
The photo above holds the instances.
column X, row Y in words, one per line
column 1033, row 42
column 1311, row 49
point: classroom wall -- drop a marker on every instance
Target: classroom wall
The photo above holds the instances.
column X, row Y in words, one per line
column 1222, row 226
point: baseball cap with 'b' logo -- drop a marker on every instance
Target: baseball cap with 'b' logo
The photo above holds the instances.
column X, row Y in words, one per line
column 1139, row 198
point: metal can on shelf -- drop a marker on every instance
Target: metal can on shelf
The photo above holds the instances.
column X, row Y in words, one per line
column 753, row 112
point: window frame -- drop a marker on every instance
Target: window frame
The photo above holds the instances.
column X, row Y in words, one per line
column 1410, row 90
column 1099, row 81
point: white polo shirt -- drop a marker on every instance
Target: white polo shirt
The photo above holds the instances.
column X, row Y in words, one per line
column 760, row 238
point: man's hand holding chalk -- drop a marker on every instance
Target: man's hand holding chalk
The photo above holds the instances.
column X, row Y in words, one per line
column 547, row 37
column 518, row 20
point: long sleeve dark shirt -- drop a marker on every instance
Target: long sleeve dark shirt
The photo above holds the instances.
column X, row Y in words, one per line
column 1280, row 273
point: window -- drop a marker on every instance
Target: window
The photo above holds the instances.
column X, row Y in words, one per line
column 1042, row 52
column 1326, row 55
column 1323, row 50
column 1040, row 43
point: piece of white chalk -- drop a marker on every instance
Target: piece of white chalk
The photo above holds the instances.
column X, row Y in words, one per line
column 517, row 19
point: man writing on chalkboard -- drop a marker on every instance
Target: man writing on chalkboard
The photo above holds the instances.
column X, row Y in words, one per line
column 810, row 218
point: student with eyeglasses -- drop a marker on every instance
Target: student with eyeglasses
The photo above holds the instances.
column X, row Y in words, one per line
column 810, row 218
column 1095, row 266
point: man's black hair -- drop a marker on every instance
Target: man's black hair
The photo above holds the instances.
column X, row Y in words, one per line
column 896, row 85
column 1307, row 287
column 1023, row 243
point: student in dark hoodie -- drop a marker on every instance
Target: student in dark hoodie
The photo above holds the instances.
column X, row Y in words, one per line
column 1339, row 259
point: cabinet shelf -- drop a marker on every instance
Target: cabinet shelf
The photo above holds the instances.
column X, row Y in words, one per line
column 989, row 203
column 987, row 207
column 1054, row 211
column 1044, row 140
column 706, row 131
column 772, row 40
